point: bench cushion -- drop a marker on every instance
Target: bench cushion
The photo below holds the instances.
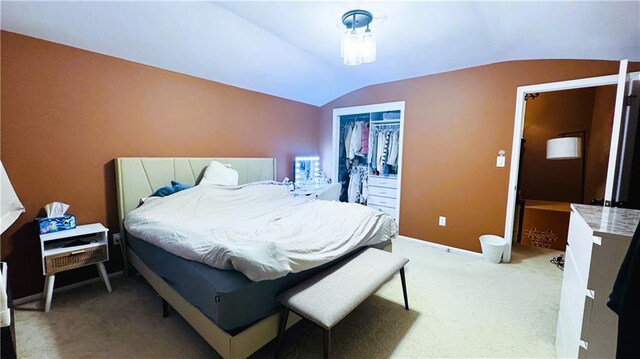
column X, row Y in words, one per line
column 329, row 296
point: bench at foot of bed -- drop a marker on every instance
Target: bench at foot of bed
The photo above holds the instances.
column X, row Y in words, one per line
column 326, row 298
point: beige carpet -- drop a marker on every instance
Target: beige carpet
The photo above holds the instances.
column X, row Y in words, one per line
column 460, row 307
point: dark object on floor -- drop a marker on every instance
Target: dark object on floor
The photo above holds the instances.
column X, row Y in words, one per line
column 624, row 300
column 558, row 261
column 8, row 349
column 8, row 334
column 165, row 308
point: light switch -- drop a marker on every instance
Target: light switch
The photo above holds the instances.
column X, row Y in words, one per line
column 501, row 159
column 442, row 221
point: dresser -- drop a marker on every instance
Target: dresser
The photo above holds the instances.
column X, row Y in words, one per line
column 383, row 194
column 597, row 243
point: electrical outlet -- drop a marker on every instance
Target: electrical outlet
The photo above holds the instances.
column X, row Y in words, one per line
column 442, row 221
column 116, row 239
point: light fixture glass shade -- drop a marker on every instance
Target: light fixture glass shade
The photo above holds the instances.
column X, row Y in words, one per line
column 343, row 41
column 352, row 45
column 355, row 48
column 564, row 148
column 368, row 49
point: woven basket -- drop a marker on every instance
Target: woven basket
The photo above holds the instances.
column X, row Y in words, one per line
column 74, row 259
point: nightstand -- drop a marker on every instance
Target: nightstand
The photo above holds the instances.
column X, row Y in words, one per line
column 74, row 248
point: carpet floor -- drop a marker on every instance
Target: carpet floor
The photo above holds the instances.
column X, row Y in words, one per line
column 460, row 305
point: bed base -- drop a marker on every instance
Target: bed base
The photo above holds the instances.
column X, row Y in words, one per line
column 228, row 346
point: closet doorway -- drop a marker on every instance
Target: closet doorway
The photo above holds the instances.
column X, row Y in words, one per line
column 622, row 138
column 367, row 155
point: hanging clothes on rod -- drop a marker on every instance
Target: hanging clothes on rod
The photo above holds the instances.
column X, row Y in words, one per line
column 358, row 190
column 365, row 139
column 385, row 153
column 365, row 188
column 394, row 148
column 355, row 144
column 347, row 139
column 380, row 151
column 385, row 146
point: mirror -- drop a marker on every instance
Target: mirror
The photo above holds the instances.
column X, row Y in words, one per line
column 307, row 170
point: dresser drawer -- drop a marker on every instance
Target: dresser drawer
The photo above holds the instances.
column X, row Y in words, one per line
column 580, row 242
column 381, row 201
column 389, row 182
column 574, row 298
column 567, row 337
column 392, row 211
column 383, row 191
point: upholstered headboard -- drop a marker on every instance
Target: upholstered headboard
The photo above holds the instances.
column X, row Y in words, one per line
column 139, row 177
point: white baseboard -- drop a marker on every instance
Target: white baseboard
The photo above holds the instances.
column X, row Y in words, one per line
column 443, row 247
column 38, row 296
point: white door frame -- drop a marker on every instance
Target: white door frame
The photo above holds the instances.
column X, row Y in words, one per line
column 379, row 107
column 518, row 130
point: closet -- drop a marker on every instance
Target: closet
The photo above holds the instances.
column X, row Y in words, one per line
column 367, row 143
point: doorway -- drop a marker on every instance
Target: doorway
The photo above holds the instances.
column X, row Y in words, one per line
column 626, row 83
column 549, row 182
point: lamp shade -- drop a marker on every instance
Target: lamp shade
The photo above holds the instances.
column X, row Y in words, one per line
column 564, row 148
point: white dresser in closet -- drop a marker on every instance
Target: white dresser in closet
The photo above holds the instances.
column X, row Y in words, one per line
column 383, row 194
column 597, row 243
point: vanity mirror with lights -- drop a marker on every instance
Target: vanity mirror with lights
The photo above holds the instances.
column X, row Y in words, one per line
column 309, row 179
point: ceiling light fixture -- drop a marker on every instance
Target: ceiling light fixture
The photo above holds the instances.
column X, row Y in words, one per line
column 356, row 48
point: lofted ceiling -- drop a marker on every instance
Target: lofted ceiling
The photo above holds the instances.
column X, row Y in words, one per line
column 292, row 49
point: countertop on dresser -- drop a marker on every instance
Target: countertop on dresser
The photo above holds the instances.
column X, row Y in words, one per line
column 610, row 222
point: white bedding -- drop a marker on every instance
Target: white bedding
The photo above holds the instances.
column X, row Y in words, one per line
column 259, row 230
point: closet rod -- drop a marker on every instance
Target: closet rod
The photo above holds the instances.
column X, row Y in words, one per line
column 385, row 122
column 354, row 117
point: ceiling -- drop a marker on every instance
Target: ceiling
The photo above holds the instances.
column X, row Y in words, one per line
column 292, row 49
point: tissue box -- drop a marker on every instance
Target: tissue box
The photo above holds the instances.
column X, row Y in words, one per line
column 55, row 224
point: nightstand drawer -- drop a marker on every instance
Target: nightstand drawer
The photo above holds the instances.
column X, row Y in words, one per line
column 75, row 259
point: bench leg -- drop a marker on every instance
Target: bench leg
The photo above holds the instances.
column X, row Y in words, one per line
column 327, row 343
column 404, row 289
column 281, row 328
column 165, row 308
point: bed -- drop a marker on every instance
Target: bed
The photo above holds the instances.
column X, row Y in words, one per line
column 213, row 301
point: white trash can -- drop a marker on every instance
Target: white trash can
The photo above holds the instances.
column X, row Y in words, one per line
column 492, row 247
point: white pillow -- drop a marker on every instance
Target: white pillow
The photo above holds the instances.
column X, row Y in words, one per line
column 217, row 173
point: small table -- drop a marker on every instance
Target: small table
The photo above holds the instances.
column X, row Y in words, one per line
column 74, row 248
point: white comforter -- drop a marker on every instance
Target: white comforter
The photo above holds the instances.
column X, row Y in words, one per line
column 259, row 230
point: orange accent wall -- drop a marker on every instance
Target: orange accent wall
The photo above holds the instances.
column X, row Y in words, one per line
column 455, row 124
column 67, row 113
